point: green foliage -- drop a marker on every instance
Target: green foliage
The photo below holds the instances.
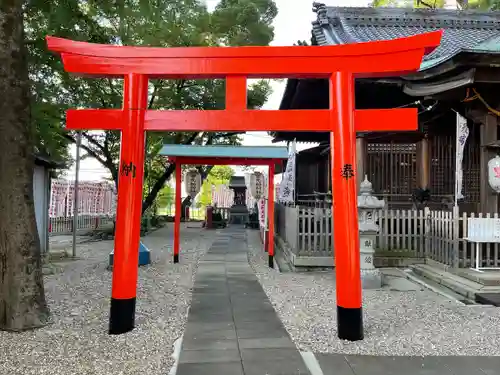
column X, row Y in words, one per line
column 481, row 4
column 136, row 22
column 244, row 22
column 165, row 196
column 409, row 3
column 219, row 175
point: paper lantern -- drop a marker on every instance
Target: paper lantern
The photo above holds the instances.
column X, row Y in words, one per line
column 257, row 185
column 494, row 173
column 192, row 182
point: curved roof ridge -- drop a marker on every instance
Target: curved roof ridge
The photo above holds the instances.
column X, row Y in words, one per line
column 464, row 31
column 424, row 17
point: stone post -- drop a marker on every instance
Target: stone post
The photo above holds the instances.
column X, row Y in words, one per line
column 368, row 211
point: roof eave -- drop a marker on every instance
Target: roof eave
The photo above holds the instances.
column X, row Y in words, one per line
column 44, row 161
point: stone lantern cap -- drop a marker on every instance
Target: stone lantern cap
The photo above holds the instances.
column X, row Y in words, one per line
column 366, row 200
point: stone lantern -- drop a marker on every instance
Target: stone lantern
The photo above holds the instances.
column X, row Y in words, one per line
column 192, row 182
column 257, row 185
column 369, row 208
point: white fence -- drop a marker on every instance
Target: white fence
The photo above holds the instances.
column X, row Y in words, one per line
column 432, row 234
column 86, row 223
column 94, row 198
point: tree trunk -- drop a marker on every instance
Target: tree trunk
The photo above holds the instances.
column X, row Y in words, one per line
column 22, row 298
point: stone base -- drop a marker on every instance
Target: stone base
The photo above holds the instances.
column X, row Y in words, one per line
column 144, row 256
column 238, row 215
column 371, row 279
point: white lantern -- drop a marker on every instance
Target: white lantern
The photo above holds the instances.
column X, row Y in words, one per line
column 192, row 182
column 494, row 173
column 257, row 185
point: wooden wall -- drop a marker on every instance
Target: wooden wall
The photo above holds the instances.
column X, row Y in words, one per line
column 393, row 169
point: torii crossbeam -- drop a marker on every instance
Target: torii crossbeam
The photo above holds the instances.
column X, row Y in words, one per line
column 340, row 64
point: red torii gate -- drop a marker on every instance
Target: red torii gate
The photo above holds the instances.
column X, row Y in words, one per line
column 232, row 155
column 340, row 64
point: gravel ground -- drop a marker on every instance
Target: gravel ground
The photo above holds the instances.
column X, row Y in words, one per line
column 396, row 323
column 79, row 293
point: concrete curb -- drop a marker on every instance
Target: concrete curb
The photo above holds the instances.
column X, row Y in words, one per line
column 176, row 355
column 311, row 363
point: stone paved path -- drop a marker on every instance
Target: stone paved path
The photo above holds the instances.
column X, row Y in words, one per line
column 232, row 327
column 335, row 364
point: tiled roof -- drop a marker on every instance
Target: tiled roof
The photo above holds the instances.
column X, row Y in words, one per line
column 464, row 31
column 237, row 181
column 261, row 152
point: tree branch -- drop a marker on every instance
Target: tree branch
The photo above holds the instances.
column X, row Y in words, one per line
column 107, row 163
column 86, row 148
column 153, row 96
column 91, row 140
column 163, row 178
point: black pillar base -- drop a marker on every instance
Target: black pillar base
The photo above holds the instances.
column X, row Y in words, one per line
column 271, row 261
column 176, row 258
column 122, row 316
column 350, row 323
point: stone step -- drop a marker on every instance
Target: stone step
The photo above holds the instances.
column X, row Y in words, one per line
column 460, row 285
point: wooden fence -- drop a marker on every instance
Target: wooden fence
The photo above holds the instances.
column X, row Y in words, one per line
column 432, row 234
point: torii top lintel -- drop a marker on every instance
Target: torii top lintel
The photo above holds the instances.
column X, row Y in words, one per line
column 388, row 57
column 236, row 64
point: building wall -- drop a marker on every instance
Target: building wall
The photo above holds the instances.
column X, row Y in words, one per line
column 393, row 168
column 311, row 175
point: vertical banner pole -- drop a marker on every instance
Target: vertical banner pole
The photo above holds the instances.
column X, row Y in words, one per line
column 457, row 148
column 129, row 207
column 178, row 209
column 346, row 233
column 270, row 214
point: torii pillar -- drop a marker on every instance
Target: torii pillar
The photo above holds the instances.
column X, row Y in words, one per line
column 340, row 64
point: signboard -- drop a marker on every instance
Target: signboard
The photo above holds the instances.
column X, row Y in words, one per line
column 483, row 229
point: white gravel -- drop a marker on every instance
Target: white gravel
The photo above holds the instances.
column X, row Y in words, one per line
column 396, row 323
column 79, row 295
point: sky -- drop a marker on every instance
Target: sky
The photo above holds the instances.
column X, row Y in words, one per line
column 292, row 23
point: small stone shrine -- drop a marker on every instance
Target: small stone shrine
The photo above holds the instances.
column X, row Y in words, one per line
column 238, row 213
column 369, row 208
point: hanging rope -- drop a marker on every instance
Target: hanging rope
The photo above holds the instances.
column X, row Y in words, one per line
column 478, row 96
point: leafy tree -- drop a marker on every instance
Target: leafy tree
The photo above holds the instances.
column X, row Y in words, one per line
column 221, row 173
column 138, row 22
column 165, row 196
column 22, row 299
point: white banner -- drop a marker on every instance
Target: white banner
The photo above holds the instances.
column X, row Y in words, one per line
column 462, row 135
column 262, row 212
column 286, row 192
